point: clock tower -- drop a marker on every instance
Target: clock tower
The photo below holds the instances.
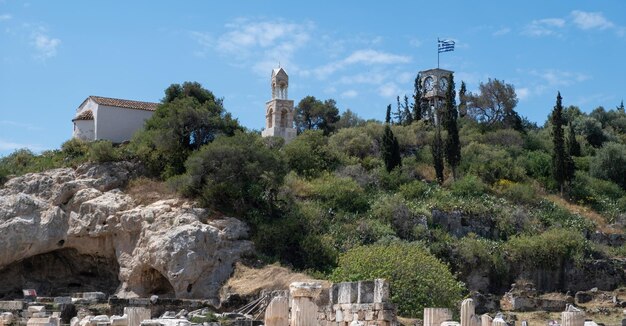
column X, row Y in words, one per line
column 434, row 86
column 279, row 110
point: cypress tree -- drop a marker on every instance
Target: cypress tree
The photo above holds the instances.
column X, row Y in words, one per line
column 462, row 100
column 408, row 117
column 399, row 118
column 390, row 150
column 561, row 161
column 437, row 151
column 452, row 143
column 573, row 147
column 417, row 98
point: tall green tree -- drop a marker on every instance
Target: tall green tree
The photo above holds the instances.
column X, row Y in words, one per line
column 313, row 114
column 188, row 118
column 495, row 105
column 561, row 169
column 452, row 143
column 408, row 116
column 437, row 151
column 573, row 147
column 417, row 99
column 462, row 100
column 399, row 114
column 390, row 147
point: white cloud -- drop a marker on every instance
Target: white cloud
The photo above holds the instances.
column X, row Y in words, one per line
column 260, row 45
column 555, row 77
column 20, row 125
column 591, row 20
column 366, row 57
column 502, row 31
column 523, row 93
column 388, row 90
column 45, row 45
column 4, row 17
column 370, row 56
column 372, row 78
column 205, row 40
column 350, row 94
column 544, row 27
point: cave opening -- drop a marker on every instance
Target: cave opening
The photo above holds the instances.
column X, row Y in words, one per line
column 59, row 273
column 153, row 282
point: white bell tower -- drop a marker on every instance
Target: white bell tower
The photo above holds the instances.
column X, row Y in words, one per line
column 279, row 110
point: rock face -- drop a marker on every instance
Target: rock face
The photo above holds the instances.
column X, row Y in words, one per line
column 73, row 230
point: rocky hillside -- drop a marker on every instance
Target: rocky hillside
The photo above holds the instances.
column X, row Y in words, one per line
column 74, row 230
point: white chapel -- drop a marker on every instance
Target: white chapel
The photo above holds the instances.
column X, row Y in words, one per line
column 279, row 110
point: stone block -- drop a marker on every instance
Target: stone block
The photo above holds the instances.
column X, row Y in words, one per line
column 381, row 290
column 348, row 317
column 97, row 296
column 34, row 309
column 119, row 320
column 62, row 300
column 334, row 294
column 50, row 321
column 277, row 312
column 369, row 315
column 11, row 305
column 435, row 316
column 136, row 315
column 338, row 315
column 366, row 291
column 348, row 292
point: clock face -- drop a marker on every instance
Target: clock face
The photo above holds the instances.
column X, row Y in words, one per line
column 429, row 83
column 443, row 84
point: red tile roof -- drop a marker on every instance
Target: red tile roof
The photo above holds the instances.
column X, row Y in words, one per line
column 85, row 115
column 120, row 103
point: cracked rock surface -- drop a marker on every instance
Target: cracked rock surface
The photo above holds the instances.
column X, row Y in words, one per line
column 79, row 224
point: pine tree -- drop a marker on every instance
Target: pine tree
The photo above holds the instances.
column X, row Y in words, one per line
column 573, row 147
column 417, row 99
column 561, row 161
column 437, row 151
column 399, row 118
column 620, row 108
column 452, row 143
column 462, row 100
column 408, row 117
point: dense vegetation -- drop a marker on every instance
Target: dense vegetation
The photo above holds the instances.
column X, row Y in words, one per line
column 350, row 198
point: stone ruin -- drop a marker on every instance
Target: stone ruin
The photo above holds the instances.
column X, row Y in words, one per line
column 364, row 303
column 572, row 316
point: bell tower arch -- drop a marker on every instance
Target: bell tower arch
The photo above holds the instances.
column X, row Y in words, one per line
column 279, row 110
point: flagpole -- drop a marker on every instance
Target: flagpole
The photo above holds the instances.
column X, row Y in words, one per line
column 437, row 53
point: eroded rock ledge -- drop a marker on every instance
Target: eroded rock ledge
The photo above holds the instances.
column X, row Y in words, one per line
column 76, row 227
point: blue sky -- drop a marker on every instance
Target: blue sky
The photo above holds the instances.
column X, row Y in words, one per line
column 53, row 54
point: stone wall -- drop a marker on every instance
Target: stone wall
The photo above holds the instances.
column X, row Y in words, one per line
column 361, row 303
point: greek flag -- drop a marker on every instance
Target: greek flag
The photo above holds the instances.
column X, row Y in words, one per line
column 445, row 45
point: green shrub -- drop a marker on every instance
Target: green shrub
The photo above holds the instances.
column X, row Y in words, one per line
column 552, row 215
column 610, row 163
column 340, row 194
column 414, row 275
column 490, row 163
column 103, row 151
column 518, row 192
column 416, row 190
column 547, row 250
column 309, row 154
column 75, row 148
column 353, row 142
column 234, row 174
column 468, row 186
column 537, row 164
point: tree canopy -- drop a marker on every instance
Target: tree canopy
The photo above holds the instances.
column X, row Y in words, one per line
column 313, row 114
column 494, row 104
column 189, row 117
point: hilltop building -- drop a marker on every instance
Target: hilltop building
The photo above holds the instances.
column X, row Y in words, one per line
column 434, row 85
column 104, row 118
column 279, row 110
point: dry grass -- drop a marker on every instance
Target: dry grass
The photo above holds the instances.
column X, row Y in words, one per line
column 247, row 281
column 600, row 222
column 146, row 191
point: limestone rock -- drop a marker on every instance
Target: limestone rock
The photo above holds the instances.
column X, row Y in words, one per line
column 167, row 248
